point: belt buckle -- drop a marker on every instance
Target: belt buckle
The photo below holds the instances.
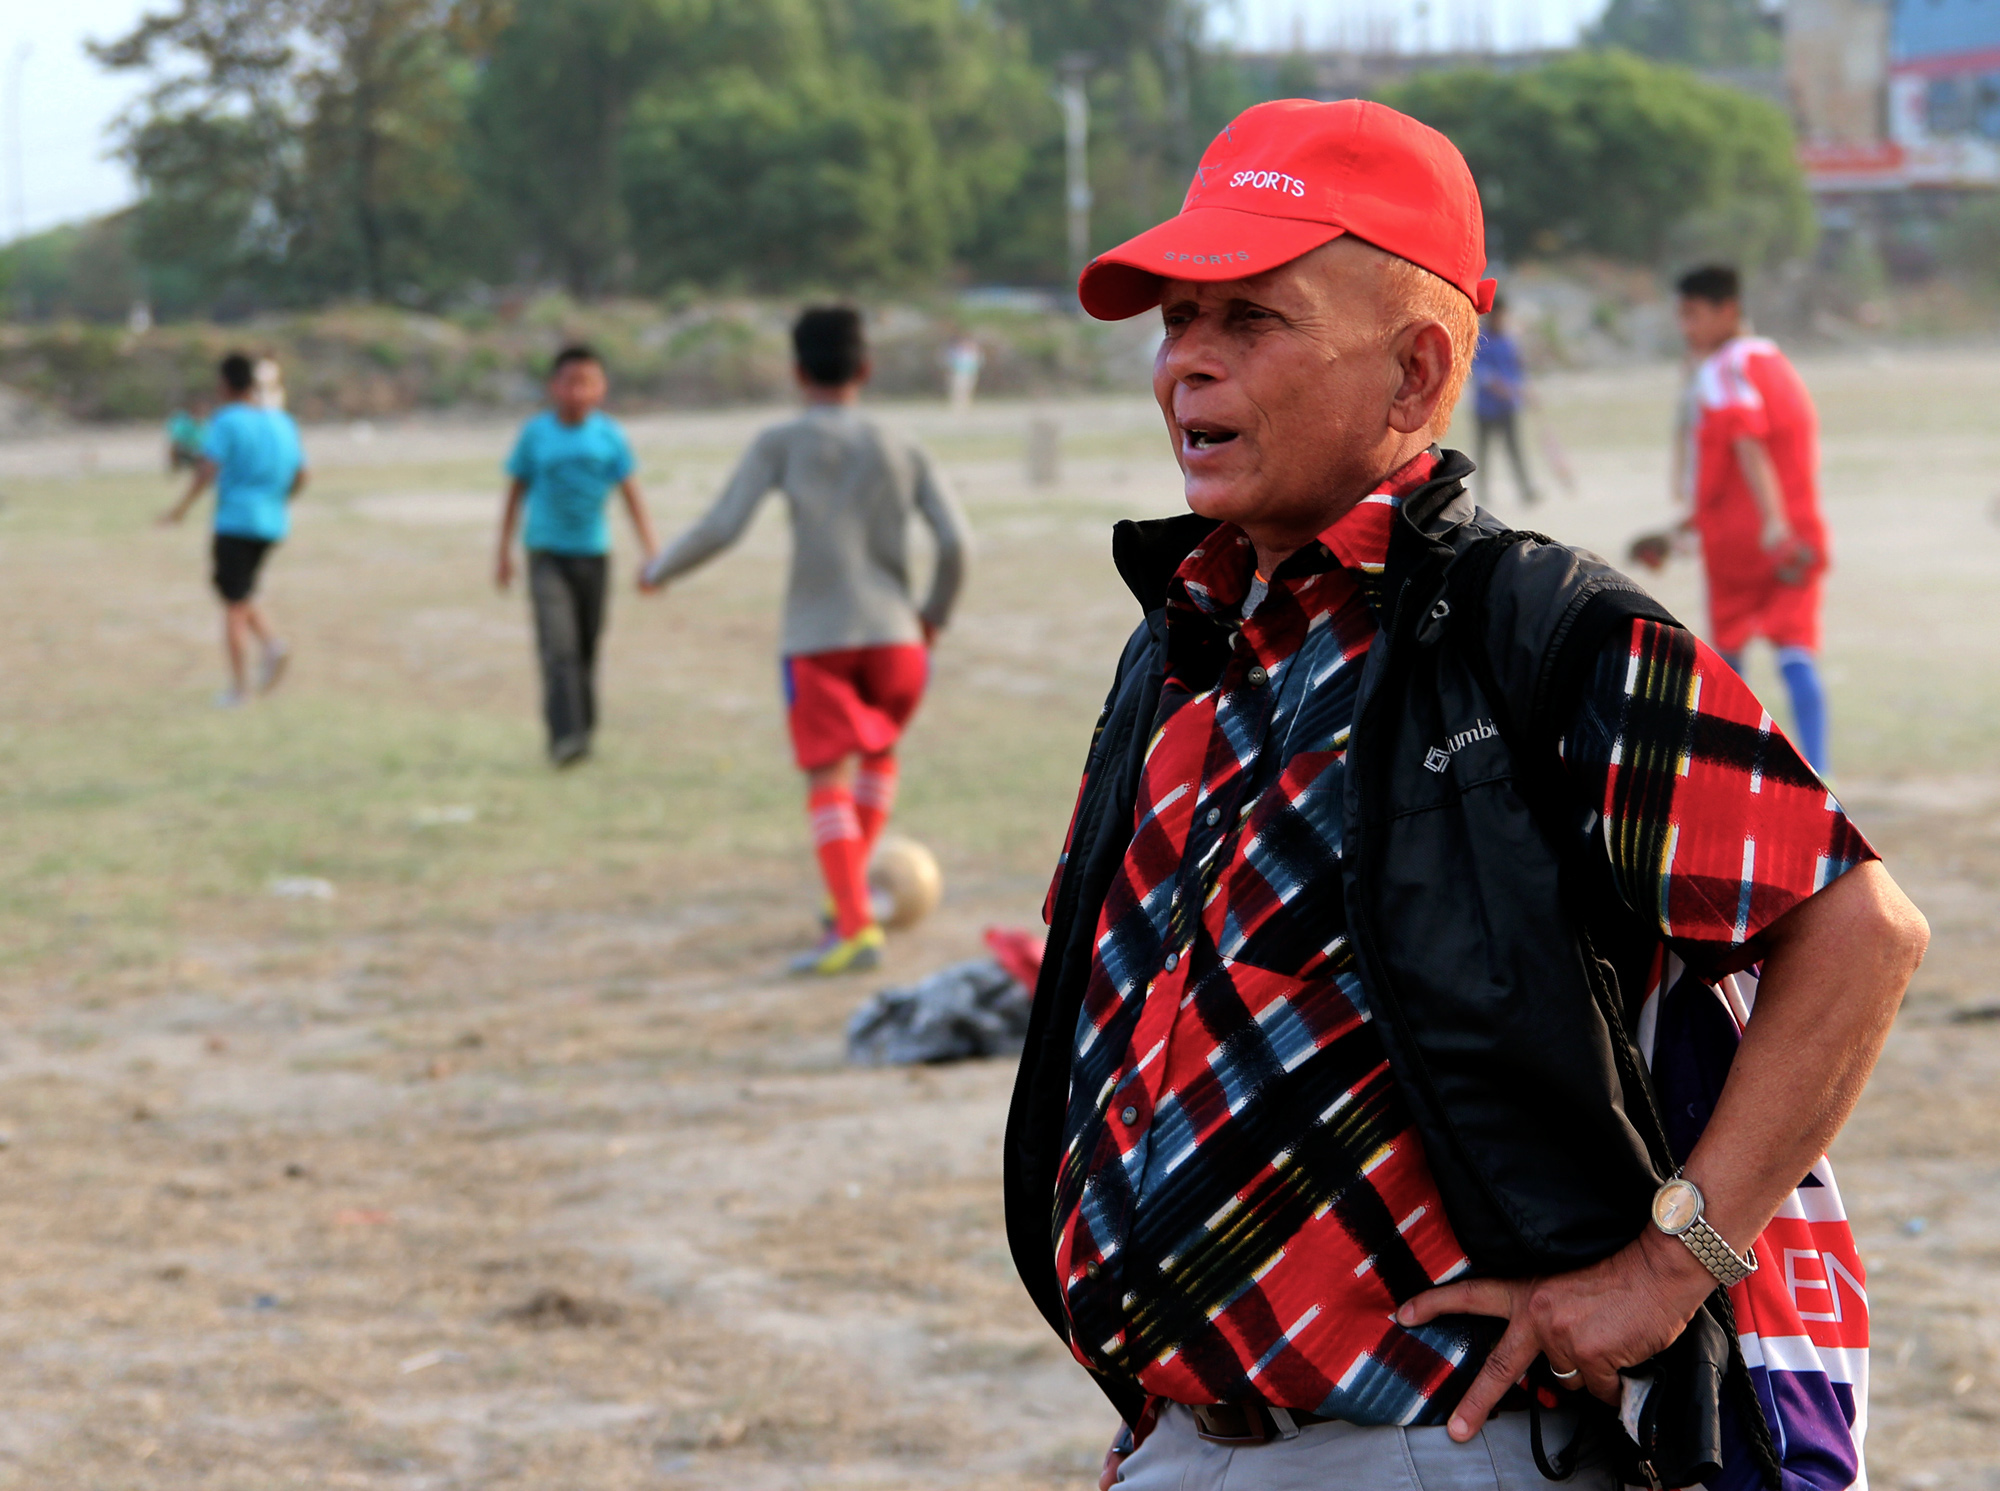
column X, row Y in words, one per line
column 1213, row 1421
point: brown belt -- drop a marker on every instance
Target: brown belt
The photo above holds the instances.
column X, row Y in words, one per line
column 1258, row 1423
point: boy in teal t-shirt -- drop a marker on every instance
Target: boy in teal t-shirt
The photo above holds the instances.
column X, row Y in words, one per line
column 563, row 468
column 253, row 457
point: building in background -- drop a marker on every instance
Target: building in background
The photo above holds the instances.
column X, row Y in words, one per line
column 1895, row 96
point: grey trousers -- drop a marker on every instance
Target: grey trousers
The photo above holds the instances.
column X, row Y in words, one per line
column 568, row 595
column 1508, row 428
column 1351, row 1457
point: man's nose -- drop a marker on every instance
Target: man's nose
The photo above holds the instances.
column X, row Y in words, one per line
column 1191, row 357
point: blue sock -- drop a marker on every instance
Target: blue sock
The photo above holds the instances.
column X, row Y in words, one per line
column 1808, row 703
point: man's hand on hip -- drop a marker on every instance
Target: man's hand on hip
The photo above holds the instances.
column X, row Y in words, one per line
column 1614, row 1314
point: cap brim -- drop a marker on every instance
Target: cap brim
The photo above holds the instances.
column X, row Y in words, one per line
column 1203, row 243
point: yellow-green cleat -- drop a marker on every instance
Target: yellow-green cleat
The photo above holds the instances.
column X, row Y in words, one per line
column 837, row 955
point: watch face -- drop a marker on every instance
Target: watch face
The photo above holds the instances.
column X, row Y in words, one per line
column 1676, row 1206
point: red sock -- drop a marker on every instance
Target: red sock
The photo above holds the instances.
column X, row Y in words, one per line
column 874, row 797
column 843, row 856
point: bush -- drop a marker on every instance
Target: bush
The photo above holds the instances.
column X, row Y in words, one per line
column 1603, row 153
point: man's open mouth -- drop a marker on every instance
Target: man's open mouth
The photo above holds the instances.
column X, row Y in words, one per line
column 1201, row 437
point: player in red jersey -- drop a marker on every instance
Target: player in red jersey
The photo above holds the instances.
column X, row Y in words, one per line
column 1754, row 444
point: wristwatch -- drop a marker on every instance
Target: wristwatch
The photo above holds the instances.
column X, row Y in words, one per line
column 1677, row 1211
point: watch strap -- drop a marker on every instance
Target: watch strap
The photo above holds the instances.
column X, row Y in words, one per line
column 1729, row 1267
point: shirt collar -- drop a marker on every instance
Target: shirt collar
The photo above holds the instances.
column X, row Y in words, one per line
column 1359, row 538
column 1216, row 576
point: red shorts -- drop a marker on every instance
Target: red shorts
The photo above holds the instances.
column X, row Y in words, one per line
column 854, row 701
column 1740, row 610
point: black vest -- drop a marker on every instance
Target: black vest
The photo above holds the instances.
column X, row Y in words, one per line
column 1501, row 967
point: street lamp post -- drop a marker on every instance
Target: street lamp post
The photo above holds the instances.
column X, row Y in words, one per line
column 1073, row 94
column 17, row 151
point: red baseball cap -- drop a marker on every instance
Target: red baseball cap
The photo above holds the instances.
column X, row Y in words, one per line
column 1283, row 178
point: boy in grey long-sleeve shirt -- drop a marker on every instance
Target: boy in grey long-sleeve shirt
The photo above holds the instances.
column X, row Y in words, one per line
column 856, row 646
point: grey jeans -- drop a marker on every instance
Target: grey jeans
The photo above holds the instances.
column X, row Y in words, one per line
column 568, row 595
column 1353, row 1457
column 1507, row 427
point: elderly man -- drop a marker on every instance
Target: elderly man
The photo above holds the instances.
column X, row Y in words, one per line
column 1332, row 1153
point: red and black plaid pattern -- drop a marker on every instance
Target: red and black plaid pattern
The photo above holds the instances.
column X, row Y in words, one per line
column 1242, row 1202
column 1715, row 825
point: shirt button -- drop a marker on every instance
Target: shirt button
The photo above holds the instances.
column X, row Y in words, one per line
column 1091, row 1270
column 1130, row 1115
column 1258, row 678
column 1173, row 961
column 1214, row 817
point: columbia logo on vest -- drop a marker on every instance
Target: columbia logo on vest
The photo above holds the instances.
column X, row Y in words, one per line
column 1439, row 756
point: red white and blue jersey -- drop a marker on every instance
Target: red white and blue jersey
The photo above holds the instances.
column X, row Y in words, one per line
column 1748, row 389
column 1802, row 1318
column 1242, row 1201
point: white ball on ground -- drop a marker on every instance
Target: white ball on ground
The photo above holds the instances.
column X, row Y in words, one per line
column 904, row 882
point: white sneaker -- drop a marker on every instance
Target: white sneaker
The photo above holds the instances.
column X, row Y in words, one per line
column 230, row 699
column 271, row 667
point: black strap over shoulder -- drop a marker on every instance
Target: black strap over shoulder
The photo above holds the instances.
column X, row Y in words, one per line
column 1680, row 1429
column 1602, row 606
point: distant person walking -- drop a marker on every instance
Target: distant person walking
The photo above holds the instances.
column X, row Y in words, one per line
column 564, row 466
column 1499, row 390
column 962, row 361
column 856, row 644
column 253, row 457
column 1754, row 454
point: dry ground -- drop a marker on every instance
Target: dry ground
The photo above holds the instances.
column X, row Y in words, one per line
column 514, row 1165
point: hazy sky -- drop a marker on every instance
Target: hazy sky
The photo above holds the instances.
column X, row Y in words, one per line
column 67, row 103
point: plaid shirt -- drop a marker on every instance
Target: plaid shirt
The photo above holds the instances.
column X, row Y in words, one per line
column 1242, row 1201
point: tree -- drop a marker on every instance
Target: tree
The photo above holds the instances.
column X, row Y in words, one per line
column 297, row 148
column 384, row 106
column 1604, row 153
column 762, row 143
column 1695, row 33
column 548, row 120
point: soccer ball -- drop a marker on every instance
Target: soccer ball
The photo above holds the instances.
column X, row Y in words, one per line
column 903, row 882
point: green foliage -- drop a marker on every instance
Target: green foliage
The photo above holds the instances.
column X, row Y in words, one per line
column 207, row 227
column 1696, row 33
column 300, row 152
column 86, row 271
column 1604, row 153
column 739, row 182
column 1971, row 241
column 549, row 112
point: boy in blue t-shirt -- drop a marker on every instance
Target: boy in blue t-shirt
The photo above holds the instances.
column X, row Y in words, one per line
column 564, row 465
column 1499, row 389
column 253, row 456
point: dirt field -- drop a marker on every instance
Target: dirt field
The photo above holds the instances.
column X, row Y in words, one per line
column 514, row 1164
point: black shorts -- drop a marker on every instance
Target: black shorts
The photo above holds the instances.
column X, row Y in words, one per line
column 237, row 560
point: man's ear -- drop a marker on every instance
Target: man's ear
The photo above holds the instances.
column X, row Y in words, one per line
column 1423, row 356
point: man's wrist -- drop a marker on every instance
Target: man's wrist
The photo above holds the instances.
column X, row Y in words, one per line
column 1678, row 1270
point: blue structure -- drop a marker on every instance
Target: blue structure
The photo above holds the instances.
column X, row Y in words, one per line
column 1944, row 62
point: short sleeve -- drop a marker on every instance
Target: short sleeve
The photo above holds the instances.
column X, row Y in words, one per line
column 1714, row 825
column 623, row 464
column 1731, row 402
column 521, row 460
column 215, row 444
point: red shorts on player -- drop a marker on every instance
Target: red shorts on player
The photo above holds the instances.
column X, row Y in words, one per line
column 1741, row 610
column 854, row 701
